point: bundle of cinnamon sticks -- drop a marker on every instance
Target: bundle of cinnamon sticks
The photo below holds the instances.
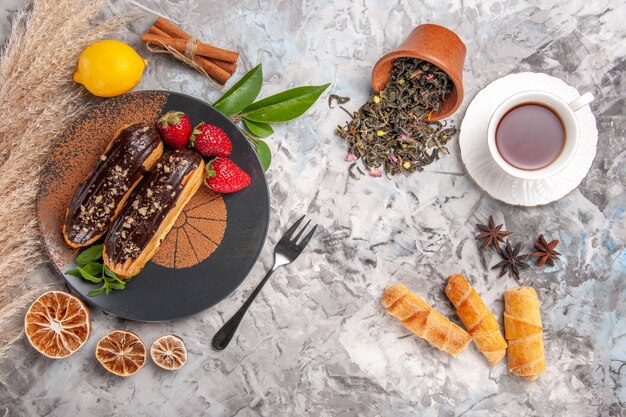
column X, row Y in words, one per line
column 216, row 63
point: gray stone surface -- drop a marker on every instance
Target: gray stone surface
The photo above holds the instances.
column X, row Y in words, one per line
column 317, row 341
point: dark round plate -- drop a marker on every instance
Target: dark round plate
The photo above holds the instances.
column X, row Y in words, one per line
column 212, row 247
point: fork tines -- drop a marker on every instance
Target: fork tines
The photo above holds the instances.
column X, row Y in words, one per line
column 287, row 236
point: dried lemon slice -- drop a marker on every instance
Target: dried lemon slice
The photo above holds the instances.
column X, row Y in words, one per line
column 57, row 324
column 121, row 352
column 169, row 352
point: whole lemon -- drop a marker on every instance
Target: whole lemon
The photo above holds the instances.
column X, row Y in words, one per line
column 109, row 68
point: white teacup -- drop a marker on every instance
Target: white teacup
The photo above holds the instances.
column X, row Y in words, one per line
column 565, row 111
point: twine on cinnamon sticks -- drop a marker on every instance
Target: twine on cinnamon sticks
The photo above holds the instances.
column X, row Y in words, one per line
column 215, row 63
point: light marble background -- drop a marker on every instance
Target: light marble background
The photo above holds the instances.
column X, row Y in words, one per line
column 317, row 342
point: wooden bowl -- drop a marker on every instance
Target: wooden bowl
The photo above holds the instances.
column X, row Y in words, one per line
column 437, row 45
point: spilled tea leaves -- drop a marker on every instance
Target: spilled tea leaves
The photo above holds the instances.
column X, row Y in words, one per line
column 393, row 129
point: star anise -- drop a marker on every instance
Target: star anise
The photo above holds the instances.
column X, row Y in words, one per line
column 491, row 234
column 512, row 261
column 545, row 251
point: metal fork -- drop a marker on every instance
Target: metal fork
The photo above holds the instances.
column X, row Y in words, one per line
column 285, row 252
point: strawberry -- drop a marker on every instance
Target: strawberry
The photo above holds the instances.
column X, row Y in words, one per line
column 224, row 176
column 175, row 128
column 210, row 140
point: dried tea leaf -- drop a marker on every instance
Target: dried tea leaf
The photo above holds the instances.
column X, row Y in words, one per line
column 393, row 129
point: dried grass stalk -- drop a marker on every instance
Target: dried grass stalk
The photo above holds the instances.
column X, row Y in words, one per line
column 38, row 99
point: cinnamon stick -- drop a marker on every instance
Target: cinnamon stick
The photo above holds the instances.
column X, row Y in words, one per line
column 171, row 29
column 218, row 74
column 212, row 69
column 231, row 67
column 207, row 51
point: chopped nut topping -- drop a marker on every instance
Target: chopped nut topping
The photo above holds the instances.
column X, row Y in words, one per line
column 126, row 225
column 118, row 168
column 103, row 158
column 167, row 169
column 143, row 211
column 149, row 192
column 98, row 199
column 82, row 208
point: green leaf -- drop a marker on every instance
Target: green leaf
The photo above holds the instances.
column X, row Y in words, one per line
column 93, row 268
column 261, row 130
column 242, row 93
column 109, row 273
column 86, row 275
column 116, row 285
column 264, row 153
column 74, row 272
column 89, row 255
column 284, row 106
column 94, row 293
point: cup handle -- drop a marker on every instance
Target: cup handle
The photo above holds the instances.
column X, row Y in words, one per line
column 581, row 102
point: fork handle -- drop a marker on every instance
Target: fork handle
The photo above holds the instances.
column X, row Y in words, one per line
column 224, row 335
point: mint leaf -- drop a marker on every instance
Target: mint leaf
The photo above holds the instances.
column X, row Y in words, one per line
column 89, row 255
column 284, row 106
column 96, row 272
column 74, row 272
column 242, row 93
column 86, row 275
column 93, row 268
column 109, row 273
column 116, row 285
column 264, row 153
column 94, row 293
column 258, row 129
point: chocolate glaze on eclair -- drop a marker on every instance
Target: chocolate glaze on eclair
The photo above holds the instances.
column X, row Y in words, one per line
column 129, row 156
column 151, row 211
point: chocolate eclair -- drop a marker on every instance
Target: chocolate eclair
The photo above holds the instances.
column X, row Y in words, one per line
column 132, row 152
column 151, row 212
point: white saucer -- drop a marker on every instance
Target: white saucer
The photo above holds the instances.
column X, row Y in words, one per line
column 489, row 176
